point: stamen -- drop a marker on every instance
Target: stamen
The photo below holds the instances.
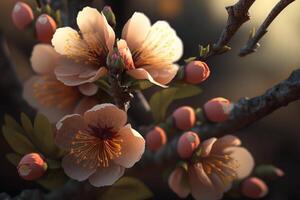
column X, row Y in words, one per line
column 94, row 151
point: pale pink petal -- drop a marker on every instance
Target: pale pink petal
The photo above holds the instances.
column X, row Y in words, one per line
column 85, row 104
column 67, row 128
column 244, row 159
column 53, row 113
column 201, row 185
column 94, row 27
column 175, row 183
column 219, row 184
column 106, row 115
column 76, row 170
column 163, row 74
column 136, row 30
column 142, row 74
column 133, row 147
column 44, row 59
column 224, row 142
column 106, row 176
column 88, row 89
column 206, row 146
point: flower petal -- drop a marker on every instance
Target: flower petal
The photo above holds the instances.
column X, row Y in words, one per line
column 94, row 28
column 244, row 159
column 142, row 74
column 163, row 74
column 201, row 185
column 105, row 176
column 67, row 128
column 224, row 142
column 88, row 89
column 44, row 59
column 206, row 146
column 136, row 30
column 133, row 147
column 175, row 183
column 76, row 170
column 106, row 115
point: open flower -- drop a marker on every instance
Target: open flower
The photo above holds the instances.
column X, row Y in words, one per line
column 86, row 51
column 154, row 49
column 99, row 143
column 149, row 52
column 220, row 163
column 51, row 97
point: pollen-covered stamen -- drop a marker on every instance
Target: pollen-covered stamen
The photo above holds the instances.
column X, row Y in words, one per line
column 222, row 165
column 88, row 50
column 50, row 92
column 95, row 147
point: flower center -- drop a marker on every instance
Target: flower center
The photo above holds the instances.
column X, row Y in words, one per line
column 51, row 92
column 223, row 166
column 96, row 146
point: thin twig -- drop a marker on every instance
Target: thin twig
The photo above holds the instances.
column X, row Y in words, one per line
column 237, row 15
column 252, row 43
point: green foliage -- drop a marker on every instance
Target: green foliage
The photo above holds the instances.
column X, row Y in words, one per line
column 127, row 188
column 53, row 179
column 13, row 158
column 161, row 100
column 268, row 172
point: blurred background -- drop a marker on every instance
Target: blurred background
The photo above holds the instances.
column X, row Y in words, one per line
column 274, row 139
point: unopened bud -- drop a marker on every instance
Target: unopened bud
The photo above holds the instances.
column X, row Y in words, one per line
column 45, row 27
column 184, row 118
column 254, row 188
column 218, row 109
column 196, row 72
column 32, row 166
column 187, row 144
column 22, row 15
column 156, row 138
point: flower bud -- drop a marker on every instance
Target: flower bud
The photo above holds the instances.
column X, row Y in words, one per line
column 22, row 15
column 32, row 166
column 254, row 188
column 268, row 172
column 184, row 118
column 196, row 72
column 110, row 16
column 45, row 27
column 176, row 182
column 125, row 54
column 217, row 109
column 156, row 138
column 187, row 144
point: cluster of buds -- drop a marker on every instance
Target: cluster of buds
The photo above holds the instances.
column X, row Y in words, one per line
column 44, row 24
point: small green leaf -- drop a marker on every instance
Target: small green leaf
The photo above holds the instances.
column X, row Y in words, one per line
column 161, row 100
column 28, row 127
column 43, row 133
column 18, row 142
column 268, row 172
column 53, row 179
column 13, row 124
column 13, row 158
column 127, row 188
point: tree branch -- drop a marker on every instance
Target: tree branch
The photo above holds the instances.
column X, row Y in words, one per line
column 252, row 43
column 237, row 15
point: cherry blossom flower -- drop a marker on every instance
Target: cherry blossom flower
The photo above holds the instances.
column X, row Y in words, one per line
column 99, row 144
column 86, row 51
column 154, row 49
column 221, row 162
column 51, row 97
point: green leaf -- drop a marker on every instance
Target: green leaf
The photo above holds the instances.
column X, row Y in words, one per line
column 53, row 179
column 268, row 172
column 13, row 158
column 43, row 133
column 13, row 124
column 127, row 188
column 18, row 142
column 161, row 100
column 27, row 126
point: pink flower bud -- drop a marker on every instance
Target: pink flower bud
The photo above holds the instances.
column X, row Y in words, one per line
column 217, row 109
column 196, row 72
column 22, row 15
column 45, row 27
column 125, row 54
column 32, row 166
column 254, row 188
column 156, row 138
column 184, row 118
column 187, row 144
